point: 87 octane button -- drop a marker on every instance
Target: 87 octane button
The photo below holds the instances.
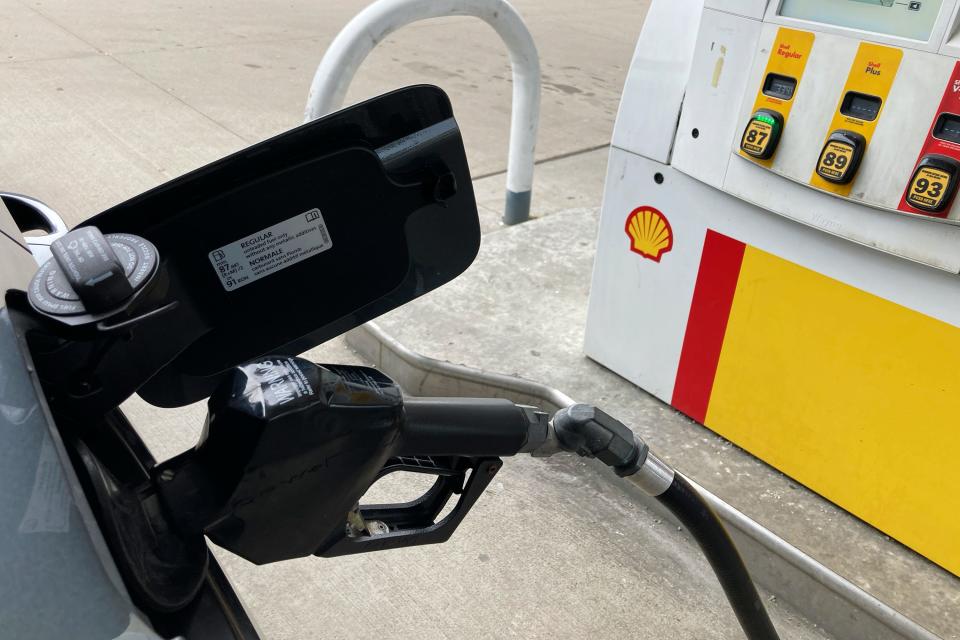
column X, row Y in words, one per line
column 762, row 134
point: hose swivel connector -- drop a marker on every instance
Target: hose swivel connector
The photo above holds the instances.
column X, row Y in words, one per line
column 587, row 431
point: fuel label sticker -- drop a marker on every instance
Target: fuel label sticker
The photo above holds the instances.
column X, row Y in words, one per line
column 270, row 250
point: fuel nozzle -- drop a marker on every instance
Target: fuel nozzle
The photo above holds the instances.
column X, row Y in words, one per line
column 291, row 447
column 288, row 449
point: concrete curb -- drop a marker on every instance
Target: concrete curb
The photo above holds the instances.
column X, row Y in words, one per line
column 826, row 598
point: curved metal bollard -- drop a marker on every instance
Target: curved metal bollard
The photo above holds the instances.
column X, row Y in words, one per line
column 352, row 45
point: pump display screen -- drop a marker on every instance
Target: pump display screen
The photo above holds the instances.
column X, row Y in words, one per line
column 947, row 128
column 900, row 18
column 860, row 105
column 778, row 86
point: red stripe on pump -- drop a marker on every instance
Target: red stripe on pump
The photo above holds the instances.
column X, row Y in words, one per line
column 950, row 104
column 712, row 299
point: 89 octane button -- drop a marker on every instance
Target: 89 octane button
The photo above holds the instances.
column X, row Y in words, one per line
column 840, row 157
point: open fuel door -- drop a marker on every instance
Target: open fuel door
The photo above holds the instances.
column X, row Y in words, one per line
column 276, row 248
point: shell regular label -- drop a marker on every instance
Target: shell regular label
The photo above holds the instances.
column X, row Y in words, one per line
column 788, row 58
column 270, row 250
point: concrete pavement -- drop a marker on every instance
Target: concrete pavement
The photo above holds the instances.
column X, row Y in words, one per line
column 99, row 102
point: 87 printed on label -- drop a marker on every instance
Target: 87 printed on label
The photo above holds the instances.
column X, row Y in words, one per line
column 756, row 138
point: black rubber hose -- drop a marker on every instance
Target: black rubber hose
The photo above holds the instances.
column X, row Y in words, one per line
column 700, row 520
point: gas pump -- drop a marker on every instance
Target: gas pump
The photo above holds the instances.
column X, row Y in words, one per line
column 779, row 247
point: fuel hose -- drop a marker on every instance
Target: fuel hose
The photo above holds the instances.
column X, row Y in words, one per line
column 695, row 514
column 589, row 432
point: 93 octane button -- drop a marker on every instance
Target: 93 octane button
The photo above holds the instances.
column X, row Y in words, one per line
column 933, row 183
column 272, row 249
column 927, row 188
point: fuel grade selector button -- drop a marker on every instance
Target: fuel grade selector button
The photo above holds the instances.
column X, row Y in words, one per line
column 762, row 134
column 841, row 156
column 933, row 183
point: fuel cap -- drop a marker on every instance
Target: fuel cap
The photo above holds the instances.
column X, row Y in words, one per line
column 91, row 273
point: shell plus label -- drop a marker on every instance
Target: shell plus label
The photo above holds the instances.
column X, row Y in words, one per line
column 859, row 108
column 270, row 250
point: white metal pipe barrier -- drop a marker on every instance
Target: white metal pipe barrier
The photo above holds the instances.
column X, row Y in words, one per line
column 352, row 45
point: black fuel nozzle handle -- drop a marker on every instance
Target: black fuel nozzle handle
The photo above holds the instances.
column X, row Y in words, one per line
column 290, row 448
column 447, row 438
column 458, row 440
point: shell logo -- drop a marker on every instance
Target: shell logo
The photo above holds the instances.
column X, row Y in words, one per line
column 650, row 233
